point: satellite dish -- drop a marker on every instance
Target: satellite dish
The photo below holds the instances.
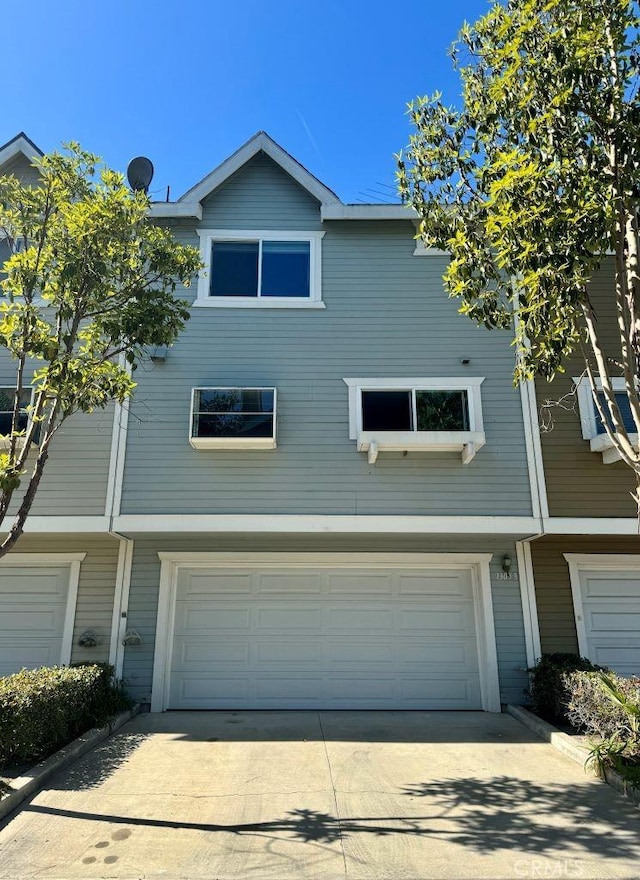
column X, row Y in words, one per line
column 139, row 173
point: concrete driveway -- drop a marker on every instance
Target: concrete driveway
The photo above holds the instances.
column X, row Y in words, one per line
column 323, row 795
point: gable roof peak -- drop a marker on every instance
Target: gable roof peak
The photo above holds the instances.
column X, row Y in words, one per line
column 261, row 142
column 19, row 144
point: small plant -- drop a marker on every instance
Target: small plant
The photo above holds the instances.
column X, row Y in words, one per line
column 617, row 722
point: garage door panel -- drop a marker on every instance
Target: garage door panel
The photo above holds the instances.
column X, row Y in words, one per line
column 447, row 585
column 611, row 614
column 600, row 587
column 197, row 585
column 618, row 619
column 33, row 604
column 343, row 639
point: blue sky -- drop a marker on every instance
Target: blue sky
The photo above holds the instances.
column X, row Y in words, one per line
column 187, row 83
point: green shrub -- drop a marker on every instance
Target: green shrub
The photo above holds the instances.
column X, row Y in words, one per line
column 550, row 684
column 43, row 709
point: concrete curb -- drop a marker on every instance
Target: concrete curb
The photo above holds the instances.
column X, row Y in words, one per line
column 564, row 743
column 25, row 786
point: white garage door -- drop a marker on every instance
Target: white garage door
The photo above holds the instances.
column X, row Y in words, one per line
column 338, row 638
column 33, row 603
column 611, row 618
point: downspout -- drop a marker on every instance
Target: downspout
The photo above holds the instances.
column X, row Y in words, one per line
column 125, row 550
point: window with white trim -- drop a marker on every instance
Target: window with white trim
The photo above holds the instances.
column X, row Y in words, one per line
column 233, row 418
column 260, row 269
column 592, row 428
column 416, row 414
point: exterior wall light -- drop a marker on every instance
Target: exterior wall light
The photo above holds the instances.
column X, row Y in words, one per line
column 506, row 563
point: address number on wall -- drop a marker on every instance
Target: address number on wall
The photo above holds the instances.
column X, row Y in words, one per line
column 507, row 576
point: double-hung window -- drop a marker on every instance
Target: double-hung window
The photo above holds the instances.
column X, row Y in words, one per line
column 417, row 414
column 590, row 422
column 260, row 269
column 233, row 418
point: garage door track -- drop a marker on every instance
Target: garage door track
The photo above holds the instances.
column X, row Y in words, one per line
column 323, row 795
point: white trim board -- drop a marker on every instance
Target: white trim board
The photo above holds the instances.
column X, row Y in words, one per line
column 19, row 145
column 528, row 600
column 524, row 526
column 578, row 562
column 590, row 525
column 477, row 563
column 120, row 604
column 59, row 560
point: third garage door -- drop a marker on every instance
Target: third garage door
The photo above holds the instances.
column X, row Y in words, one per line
column 298, row 637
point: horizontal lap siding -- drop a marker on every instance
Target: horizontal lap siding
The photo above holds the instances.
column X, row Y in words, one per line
column 143, row 600
column 553, row 585
column 386, row 315
column 95, row 589
column 77, row 471
column 578, row 482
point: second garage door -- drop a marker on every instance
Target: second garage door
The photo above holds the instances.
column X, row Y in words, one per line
column 329, row 638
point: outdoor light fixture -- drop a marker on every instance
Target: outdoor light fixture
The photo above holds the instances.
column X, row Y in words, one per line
column 506, row 563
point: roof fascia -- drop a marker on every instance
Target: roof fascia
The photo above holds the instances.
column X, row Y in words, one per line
column 261, row 142
column 19, row 145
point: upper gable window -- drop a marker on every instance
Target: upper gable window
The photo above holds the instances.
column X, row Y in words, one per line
column 256, row 269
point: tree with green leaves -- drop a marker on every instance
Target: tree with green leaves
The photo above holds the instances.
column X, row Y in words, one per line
column 535, row 180
column 87, row 285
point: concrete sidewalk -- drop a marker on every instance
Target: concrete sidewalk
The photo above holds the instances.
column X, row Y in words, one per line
column 398, row 795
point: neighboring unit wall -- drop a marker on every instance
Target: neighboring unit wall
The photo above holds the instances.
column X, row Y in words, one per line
column 76, row 474
column 145, row 579
column 96, row 586
column 553, row 585
column 578, row 483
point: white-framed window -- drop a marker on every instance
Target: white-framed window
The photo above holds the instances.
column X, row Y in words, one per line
column 260, row 269
column 419, row 414
column 592, row 428
column 7, row 394
column 233, row 418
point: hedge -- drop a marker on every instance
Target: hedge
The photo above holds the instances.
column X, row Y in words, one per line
column 43, row 709
column 569, row 689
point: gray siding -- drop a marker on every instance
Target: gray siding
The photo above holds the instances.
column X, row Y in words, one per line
column 77, row 472
column 21, row 168
column 143, row 601
column 260, row 196
column 386, row 315
column 578, row 482
column 96, row 586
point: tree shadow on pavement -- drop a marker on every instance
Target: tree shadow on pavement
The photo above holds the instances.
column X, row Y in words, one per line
column 485, row 815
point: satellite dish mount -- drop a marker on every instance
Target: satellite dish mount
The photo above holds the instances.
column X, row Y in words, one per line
column 140, row 173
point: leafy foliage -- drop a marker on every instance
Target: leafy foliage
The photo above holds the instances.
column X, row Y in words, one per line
column 550, row 685
column 43, row 709
column 535, row 179
column 88, row 285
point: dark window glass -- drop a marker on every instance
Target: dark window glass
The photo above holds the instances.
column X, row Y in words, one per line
column 442, row 411
column 6, row 409
column 386, row 411
column 220, row 412
column 285, row 268
column 234, row 268
column 625, row 412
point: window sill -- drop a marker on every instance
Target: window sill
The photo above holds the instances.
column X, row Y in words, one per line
column 465, row 442
column 233, row 442
column 603, row 443
column 231, row 302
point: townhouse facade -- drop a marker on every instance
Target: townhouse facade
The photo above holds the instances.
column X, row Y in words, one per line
column 327, row 494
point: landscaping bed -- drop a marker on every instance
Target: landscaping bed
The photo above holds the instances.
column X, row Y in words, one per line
column 597, row 708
